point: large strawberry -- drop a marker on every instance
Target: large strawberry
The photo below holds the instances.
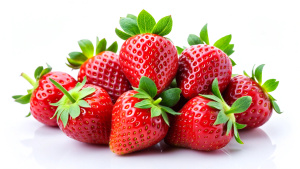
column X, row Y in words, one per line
column 146, row 52
column 44, row 92
column 102, row 69
column 207, row 122
column 262, row 102
column 140, row 121
column 84, row 113
column 200, row 63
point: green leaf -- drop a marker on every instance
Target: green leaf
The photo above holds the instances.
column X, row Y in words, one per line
column 173, row 83
column 233, row 75
column 245, row 73
column 229, row 127
column 204, row 34
column 179, row 50
column 64, row 117
column 58, row 112
column 101, row 46
column 169, row 110
column 165, row 117
column 221, row 118
column 229, row 49
column 144, row 104
column 148, row 86
column 122, row 34
column 145, row 22
column 270, row 85
column 232, row 62
column 74, row 62
column 142, row 96
column 86, row 47
column 240, row 105
column 74, row 110
column 29, row 114
column 85, row 92
column 223, row 42
column 240, row 126
column 216, row 105
column 131, row 16
column 16, row 96
column 83, row 103
column 170, row 97
column 236, row 134
column 194, row 40
column 163, row 26
column 155, row 111
column 45, row 71
column 78, row 56
column 276, row 107
column 24, row 99
column 215, row 89
column 113, row 47
column 212, row 97
column 258, row 73
column 38, row 71
column 129, row 26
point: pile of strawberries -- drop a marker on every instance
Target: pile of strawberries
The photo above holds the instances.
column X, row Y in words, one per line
column 151, row 91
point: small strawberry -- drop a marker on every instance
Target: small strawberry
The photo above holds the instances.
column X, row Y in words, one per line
column 102, row 69
column 44, row 92
column 200, row 63
column 206, row 122
column 263, row 103
column 145, row 51
column 84, row 113
column 138, row 120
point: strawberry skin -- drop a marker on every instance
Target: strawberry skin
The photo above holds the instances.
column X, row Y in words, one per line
column 93, row 124
column 194, row 128
column 47, row 93
column 149, row 55
column 261, row 108
column 199, row 65
column 133, row 129
column 104, row 70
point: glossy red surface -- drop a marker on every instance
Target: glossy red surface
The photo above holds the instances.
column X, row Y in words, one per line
column 47, row 93
column 149, row 55
column 260, row 109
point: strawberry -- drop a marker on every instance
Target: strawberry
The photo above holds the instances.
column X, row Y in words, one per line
column 145, row 51
column 263, row 103
column 138, row 120
column 103, row 69
column 200, row 63
column 84, row 113
column 206, row 122
column 44, row 93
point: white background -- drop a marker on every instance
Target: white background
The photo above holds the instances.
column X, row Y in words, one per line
column 34, row 32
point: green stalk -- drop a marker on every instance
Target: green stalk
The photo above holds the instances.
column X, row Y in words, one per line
column 63, row 90
column 157, row 101
column 26, row 77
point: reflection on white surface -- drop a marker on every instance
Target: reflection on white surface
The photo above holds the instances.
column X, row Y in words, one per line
column 52, row 149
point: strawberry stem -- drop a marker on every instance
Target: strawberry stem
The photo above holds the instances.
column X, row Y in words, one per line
column 157, row 101
column 26, row 77
column 62, row 89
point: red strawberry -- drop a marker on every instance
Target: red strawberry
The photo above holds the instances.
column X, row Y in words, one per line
column 138, row 121
column 206, row 122
column 262, row 102
column 84, row 113
column 201, row 63
column 44, row 93
column 103, row 69
column 146, row 52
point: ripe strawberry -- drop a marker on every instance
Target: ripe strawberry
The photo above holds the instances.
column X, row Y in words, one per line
column 200, row 63
column 139, row 121
column 44, row 93
column 84, row 113
column 146, row 52
column 206, row 122
column 262, row 102
column 103, row 69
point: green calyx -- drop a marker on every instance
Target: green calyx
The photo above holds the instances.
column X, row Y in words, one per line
column 76, row 59
column 223, row 43
column 226, row 113
column 38, row 73
column 70, row 103
column 159, row 105
column 268, row 86
column 143, row 23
